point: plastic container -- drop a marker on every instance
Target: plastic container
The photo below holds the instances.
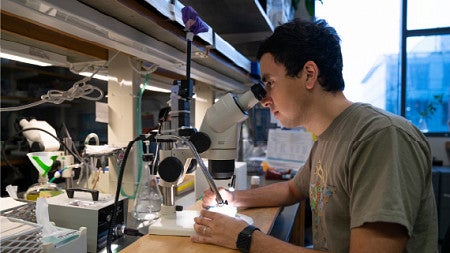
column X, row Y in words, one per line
column 254, row 182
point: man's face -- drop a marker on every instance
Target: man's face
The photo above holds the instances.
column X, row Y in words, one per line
column 285, row 95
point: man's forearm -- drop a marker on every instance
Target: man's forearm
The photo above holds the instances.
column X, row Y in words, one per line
column 263, row 243
column 277, row 194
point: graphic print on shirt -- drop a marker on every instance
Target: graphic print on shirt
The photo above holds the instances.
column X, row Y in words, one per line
column 319, row 193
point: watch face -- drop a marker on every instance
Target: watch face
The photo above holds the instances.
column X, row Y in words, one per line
column 243, row 243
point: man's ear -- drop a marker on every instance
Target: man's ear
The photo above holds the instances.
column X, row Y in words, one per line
column 312, row 72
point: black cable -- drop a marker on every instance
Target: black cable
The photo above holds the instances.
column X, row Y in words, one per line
column 15, row 174
column 45, row 131
column 112, row 222
column 132, row 232
column 4, row 152
column 128, row 231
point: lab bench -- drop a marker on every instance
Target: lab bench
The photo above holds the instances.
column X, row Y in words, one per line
column 272, row 220
column 285, row 223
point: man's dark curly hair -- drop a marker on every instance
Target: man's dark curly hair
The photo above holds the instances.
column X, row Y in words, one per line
column 298, row 41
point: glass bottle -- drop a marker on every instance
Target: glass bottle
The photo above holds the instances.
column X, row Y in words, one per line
column 147, row 205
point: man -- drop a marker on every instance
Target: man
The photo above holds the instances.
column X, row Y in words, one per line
column 368, row 176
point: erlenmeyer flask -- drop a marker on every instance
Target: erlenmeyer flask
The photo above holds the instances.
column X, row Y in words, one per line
column 147, row 205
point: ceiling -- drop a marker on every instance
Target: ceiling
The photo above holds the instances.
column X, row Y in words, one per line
column 152, row 30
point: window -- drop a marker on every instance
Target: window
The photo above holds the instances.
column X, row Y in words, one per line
column 405, row 71
column 428, row 82
column 427, row 14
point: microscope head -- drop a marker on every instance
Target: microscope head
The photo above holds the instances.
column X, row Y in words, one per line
column 222, row 123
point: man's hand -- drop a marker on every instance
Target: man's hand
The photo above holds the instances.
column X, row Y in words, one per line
column 218, row 229
column 209, row 197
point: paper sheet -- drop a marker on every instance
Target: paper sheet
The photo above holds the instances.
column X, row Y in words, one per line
column 288, row 149
column 101, row 112
column 8, row 203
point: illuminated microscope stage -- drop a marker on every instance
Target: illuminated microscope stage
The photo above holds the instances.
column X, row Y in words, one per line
column 183, row 225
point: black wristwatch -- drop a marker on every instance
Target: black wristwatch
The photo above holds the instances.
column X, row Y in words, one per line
column 244, row 239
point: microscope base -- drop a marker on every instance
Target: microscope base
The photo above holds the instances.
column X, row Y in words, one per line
column 183, row 224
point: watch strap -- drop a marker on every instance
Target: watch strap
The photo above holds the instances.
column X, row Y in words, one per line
column 244, row 239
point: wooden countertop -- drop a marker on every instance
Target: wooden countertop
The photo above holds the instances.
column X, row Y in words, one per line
column 263, row 218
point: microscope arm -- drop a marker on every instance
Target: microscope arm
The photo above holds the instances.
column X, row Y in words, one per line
column 203, row 167
column 218, row 137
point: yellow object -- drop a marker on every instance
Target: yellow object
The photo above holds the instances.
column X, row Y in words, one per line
column 314, row 137
column 186, row 186
column 42, row 190
column 265, row 166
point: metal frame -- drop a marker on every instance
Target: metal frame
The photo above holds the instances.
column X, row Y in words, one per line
column 405, row 34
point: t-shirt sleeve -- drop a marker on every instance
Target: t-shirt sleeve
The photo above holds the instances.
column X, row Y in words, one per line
column 386, row 177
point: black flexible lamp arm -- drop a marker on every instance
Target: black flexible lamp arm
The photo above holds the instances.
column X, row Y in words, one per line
column 112, row 222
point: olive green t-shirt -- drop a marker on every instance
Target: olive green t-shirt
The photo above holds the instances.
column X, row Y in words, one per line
column 369, row 166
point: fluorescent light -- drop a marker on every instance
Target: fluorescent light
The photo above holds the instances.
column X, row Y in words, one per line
column 156, row 85
column 154, row 88
column 98, row 76
column 31, row 55
column 203, row 100
column 123, row 82
column 25, row 60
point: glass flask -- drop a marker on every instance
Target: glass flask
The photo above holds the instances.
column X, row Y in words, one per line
column 147, row 205
column 42, row 189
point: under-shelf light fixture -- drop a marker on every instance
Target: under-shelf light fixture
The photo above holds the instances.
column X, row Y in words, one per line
column 31, row 55
column 98, row 76
column 154, row 85
column 157, row 89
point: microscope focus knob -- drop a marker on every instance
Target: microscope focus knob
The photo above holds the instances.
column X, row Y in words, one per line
column 170, row 169
column 201, row 141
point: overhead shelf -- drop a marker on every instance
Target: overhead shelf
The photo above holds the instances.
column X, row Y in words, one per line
column 242, row 23
column 134, row 29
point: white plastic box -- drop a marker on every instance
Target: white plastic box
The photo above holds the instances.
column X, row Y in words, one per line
column 74, row 245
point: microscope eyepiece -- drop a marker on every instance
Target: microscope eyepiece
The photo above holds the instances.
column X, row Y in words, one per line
column 258, row 90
